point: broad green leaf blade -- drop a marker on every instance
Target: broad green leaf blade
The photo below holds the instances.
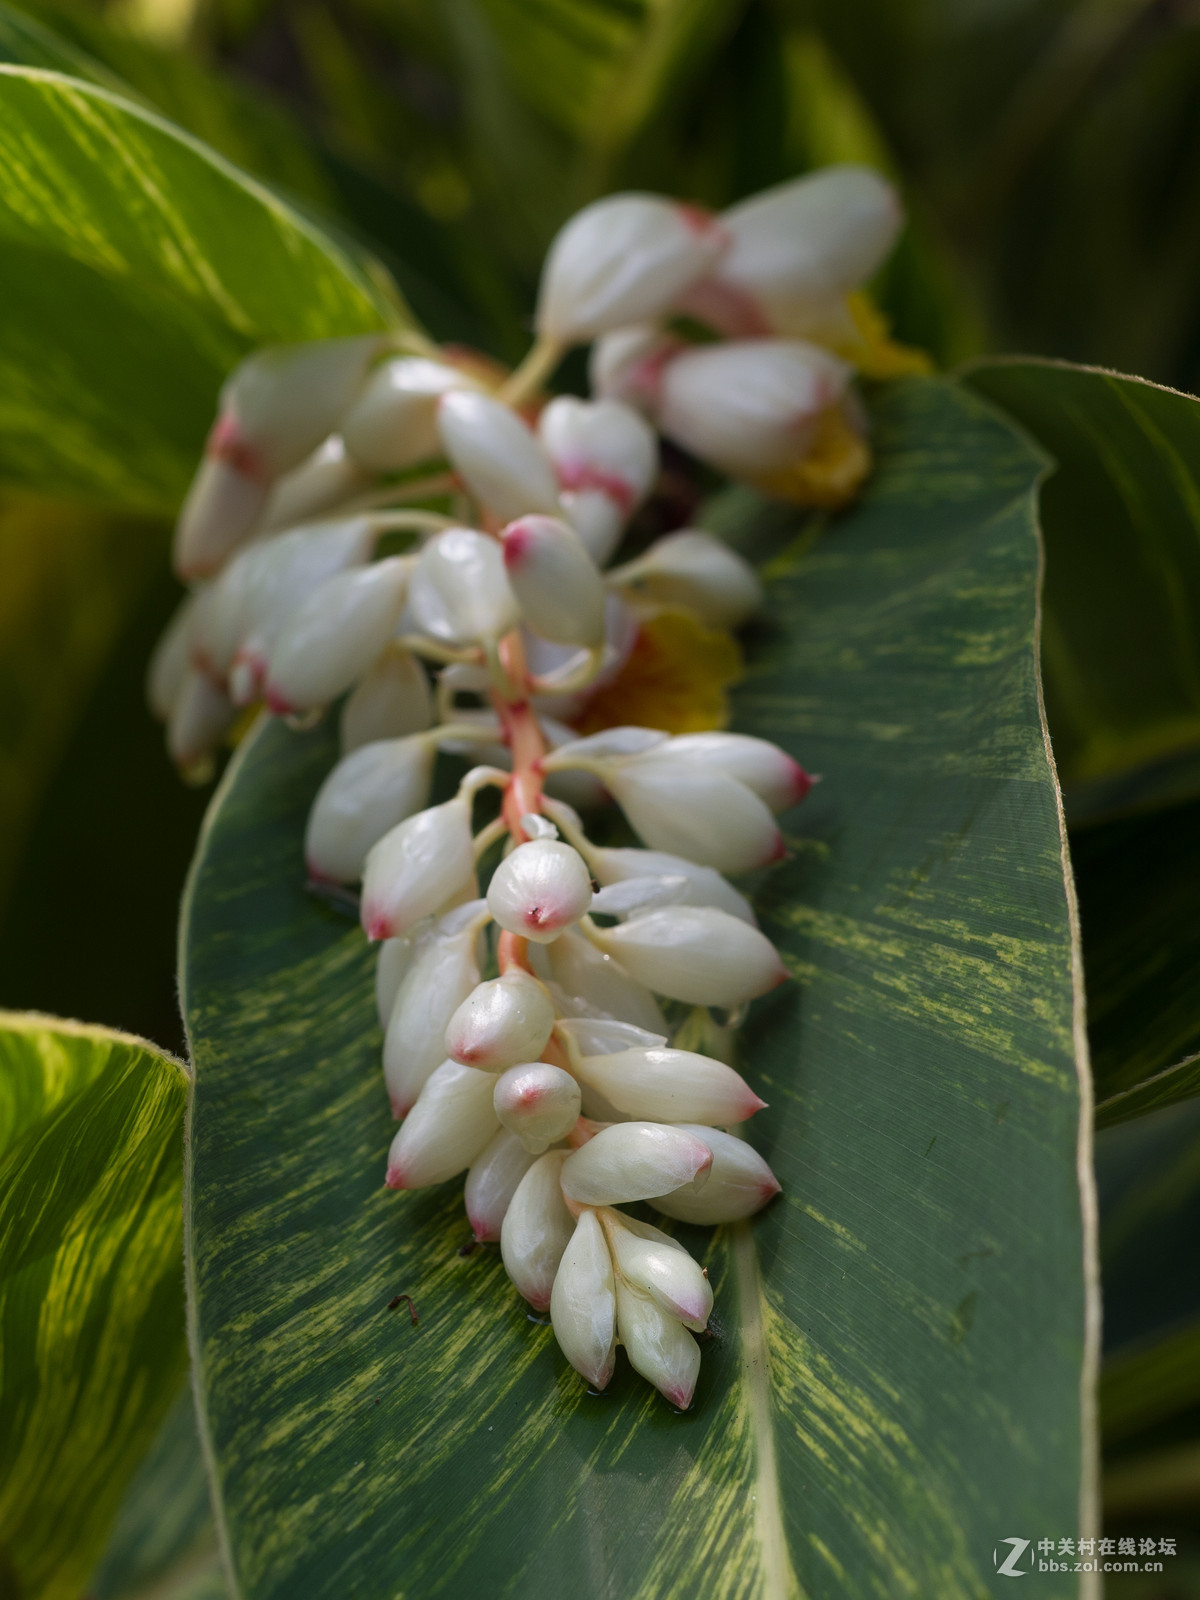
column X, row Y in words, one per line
column 1141, row 942
column 90, row 1251
column 891, row 1386
column 136, row 267
column 1121, row 515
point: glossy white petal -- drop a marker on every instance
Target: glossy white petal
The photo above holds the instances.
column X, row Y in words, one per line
column 171, row 658
column 583, row 1306
column 448, row 1127
column 538, row 1102
column 658, row 1345
column 390, row 700
column 660, row 1268
column 222, row 506
column 777, row 780
column 492, row 1182
column 416, row 868
column 393, row 423
column 496, row 455
column 366, row 795
column 392, row 962
column 327, row 479
column 540, row 889
column 695, row 954
column 703, row 886
column 633, row 1161
column 333, row 638
column 600, row 1036
column 460, row 592
column 502, row 1022
column 601, row 445
column 599, row 985
column 664, row 1085
column 557, row 584
column 201, row 715
column 622, row 259
column 695, row 570
column 442, row 970
column 627, row 365
column 739, row 1183
column 537, row 1229
column 695, row 812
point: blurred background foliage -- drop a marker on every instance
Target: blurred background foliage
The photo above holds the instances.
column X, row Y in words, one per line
column 1049, row 152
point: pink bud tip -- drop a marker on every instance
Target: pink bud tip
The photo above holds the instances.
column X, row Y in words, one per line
column 778, row 853
column 482, row 1233
column 802, row 782
column 395, row 1178
column 278, row 703
column 699, row 220
column 755, row 1104
column 377, row 925
column 400, row 1108
column 783, row 976
column 769, row 1188
column 517, row 540
column 679, row 1396
column 539, row 1302
column 227, row 443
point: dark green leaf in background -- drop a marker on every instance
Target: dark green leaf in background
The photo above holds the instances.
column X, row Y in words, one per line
column 90, row 1307
column 903, row 1343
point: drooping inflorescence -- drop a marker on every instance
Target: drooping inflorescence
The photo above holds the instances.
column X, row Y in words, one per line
column 535, row 986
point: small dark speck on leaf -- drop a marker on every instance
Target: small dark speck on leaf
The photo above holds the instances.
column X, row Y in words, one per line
column 399, row 1300
column 1002, row 1110
column 962, row 1317
column 931, row 1144
column 469, row 1248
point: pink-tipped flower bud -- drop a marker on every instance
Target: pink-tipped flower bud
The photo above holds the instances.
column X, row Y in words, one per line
column 658, row 1345
column 622, row 259
column 633, row 1161
column 540, row 890
column 171, row 657
column 627, row 365
column 460, row 593
column 777, row 780
column 692, row 811
column 557, row 584
column 201, row 714
column 670, row 1086
column 799, row 248
column 598, row 985
column 497, row 457
column 333, row 638
column 390, row 701
column 448, row 1127
column 694, row 570
column 537, row 1229
column 419, row 866
column 656, row 1265
column 695, row 954
column 501, row 1023
column 327, row 479
column 538, row 1102
column 606, row 459
column 491, row 1183
column 392, row 962
column 739, row 1184
column 366, row 795
column 393, row 423
column 750, row 407
column 440, row 974
column 275, row 409
column 583, row 1305
column 702, row 886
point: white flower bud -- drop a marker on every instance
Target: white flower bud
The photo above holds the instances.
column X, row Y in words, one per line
column 492, row 1182
column 603, row 1036
column 395, row 956
column 611, row 743
column 622, row 259
column 460, row 592
column 275, row 409
column 497, row 457
column 634, row 1161
column 393, row 423
column 670, row 1086
column 777, row 780
column 417, row 867
column 694, row 812
column 171, row 657
column 538, row 1102
column 201, row 714
column 658, row 1345
column 693, row 569
column 702, row 886
column 602, row 451
column 627, row 365
column 657, row 1266
column 600, row 985
column 366, row 794
column 803, row 245
column 440, row 974
column 332, row 639
column 739, row 1184
column 327, row 479
column 557, row 584
column 391, row 700
column 597, row 520
column 504, row 1021
column 750, row 407
column 583, row 1305
column 695, row 954
column 448, row 1127
column 540, row 889
column 537, row 1229
column 639, row 894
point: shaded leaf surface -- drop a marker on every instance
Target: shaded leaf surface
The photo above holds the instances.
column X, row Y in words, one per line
column 90, row 1250
column 889, row 1382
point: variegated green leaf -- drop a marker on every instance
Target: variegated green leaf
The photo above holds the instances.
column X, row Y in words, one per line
column 904, row 1343
column 90, row 1311
column 136, row 267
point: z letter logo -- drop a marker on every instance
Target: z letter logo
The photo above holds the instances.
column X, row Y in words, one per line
column 1009, row 1569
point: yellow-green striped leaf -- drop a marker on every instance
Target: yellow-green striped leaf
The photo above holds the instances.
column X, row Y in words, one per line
column 136, row 266
column 903, row 1351
column 91, row 1318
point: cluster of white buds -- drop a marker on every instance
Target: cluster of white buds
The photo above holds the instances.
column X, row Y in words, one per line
column 535, row 988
